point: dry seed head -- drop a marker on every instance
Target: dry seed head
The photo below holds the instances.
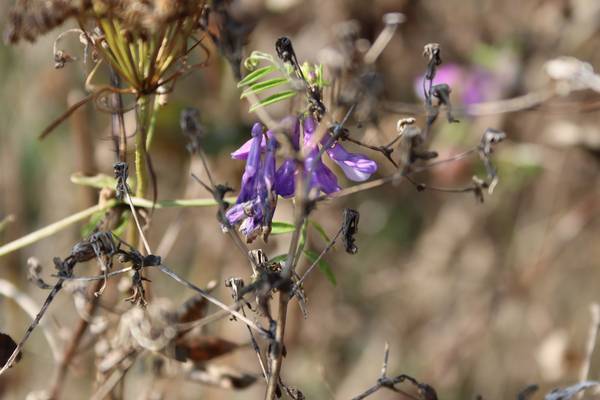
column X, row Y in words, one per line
column 29, row 19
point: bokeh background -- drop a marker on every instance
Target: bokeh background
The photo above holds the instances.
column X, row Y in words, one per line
column 472, row 298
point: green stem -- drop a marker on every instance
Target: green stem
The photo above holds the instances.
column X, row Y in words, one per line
column 64, row 223
column 140, row 145
column 152, row 125
column 52, row 229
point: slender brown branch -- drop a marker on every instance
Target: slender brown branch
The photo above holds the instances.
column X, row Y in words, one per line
column 277, row 346
column 70, row 351
column 318, row 259
column 164, row 269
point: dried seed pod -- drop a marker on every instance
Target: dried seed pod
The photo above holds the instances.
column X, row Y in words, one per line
column 7, row 347
column 349, row 229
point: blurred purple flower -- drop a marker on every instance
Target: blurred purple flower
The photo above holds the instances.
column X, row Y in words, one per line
column 474, row 85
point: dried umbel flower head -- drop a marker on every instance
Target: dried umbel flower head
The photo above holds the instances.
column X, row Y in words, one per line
column 140, row 39
column 31, row 18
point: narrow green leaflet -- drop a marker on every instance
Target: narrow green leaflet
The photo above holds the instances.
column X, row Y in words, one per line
column 254, row 76
column 303, row 236
column 99, row 181
column 277, row 97
column 89, row 227
column 120, row 228
column 323, row 266
column 279, row 228
column 321, row 231
column 265, row 85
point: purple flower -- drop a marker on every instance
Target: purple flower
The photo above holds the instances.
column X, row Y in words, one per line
column 262, row 181
column 289, row 124
column 356, row 167
column 256, row 202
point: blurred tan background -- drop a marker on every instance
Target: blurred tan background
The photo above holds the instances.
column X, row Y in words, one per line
column 473, row 298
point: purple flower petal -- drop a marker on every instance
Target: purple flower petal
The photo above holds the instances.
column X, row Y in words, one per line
column 249, row 178
column 242, row 152
column 357, row 167
column 235, row 214
column 321, row 176
column 269, row 164
column 324, row 179
column 309, row 129
column 291, row 126
column 251, row 227
column 285, row 179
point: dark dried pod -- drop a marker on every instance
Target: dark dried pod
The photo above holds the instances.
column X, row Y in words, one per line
column 478, row 186
column 189, row 122
column 7, row 347
column 349, row 229
column 432, row 52
column 491, row 137
column 427, row 392
column 121, row 171
column 285, row 50
column 442, row 93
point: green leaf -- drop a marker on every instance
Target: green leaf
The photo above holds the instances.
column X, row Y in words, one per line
column 277, row 97
column 255, row 58
column 259, row 55
column 89, row 227
column 279, row 228
column 322, row 264
column 321, row 231
column 120, row 228
column 99, row 181
column 303, row 236
column 262, row 86
column 256, row 75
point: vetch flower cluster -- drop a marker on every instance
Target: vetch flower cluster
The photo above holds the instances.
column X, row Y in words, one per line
column 262, row 182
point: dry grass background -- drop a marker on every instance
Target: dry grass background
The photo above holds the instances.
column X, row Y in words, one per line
column 473, row 299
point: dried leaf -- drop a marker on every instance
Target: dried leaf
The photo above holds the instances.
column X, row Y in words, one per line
column 221, row 376
column 193, row 309
column 202, row 348
column 34, row 269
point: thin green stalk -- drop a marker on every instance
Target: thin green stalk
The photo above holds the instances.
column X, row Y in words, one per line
column 64, row 223
column 51, row 229
column 140, row 145
column 152, row 124
column 116, row 47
